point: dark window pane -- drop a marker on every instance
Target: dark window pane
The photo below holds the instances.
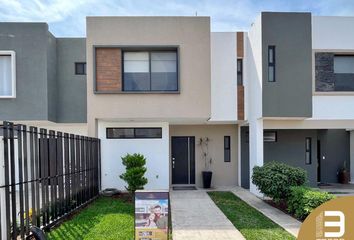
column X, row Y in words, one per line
column 80, row 68
column 271, row 76
column 164, row 81
column 138, row 81
column 269, row 136
column 164, row 71
column 148, row 132
column 239, row 72
column 308, row 148
column 344, row 81
column 120, row 133
column 271, row 63
column 271, row 55
column 227, row 149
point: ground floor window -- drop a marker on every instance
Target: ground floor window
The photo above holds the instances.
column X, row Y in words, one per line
column 129, row 133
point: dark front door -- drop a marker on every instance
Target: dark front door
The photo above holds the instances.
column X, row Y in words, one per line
column 183, row 160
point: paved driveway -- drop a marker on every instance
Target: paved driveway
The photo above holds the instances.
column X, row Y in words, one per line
column 195, row 216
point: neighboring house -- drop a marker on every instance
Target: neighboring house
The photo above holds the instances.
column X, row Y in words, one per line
column 156, row 85
column 300, row 92
column 38, row 82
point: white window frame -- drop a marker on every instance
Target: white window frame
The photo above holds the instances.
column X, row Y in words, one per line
column 13, row 72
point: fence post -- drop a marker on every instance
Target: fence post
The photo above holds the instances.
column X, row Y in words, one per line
column 4, row 211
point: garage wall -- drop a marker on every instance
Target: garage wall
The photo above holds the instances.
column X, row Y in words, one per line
column 224, row 173
column 156, row 152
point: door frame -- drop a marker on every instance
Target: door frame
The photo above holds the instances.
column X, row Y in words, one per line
column 192, row 157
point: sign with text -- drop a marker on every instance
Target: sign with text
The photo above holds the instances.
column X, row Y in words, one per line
column 332, row 220
column 151, row 215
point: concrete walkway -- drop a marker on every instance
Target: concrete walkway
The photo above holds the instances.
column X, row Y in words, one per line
column 287, row 222
column 196, row 217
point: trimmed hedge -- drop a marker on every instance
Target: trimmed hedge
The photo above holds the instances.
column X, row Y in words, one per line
column 303, row 200
column 274, row 179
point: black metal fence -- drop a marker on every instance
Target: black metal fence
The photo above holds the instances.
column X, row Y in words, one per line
column 44, row 176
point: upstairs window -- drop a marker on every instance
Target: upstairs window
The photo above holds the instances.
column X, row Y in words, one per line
column 271, row 63
column 239, row 72
column 7, row 74
column 153, row 71
column 80, row 68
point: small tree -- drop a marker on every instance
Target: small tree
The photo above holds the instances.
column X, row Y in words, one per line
column 134, row 173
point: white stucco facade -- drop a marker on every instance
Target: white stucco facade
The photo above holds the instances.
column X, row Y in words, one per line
column 332, row 32
column 223, row 76
column 253, row 76
column 156, row 152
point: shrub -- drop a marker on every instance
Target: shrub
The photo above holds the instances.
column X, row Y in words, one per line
column 274, row 179
column 303, row 200
column 135, row 170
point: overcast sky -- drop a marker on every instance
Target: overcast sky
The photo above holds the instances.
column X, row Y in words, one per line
column 67, row 17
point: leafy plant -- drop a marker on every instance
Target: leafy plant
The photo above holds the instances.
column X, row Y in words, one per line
column 135, row 170
column 303, row 200
column 204, row 148
column 274, row 179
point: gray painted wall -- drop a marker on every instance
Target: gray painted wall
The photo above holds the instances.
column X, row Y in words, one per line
column 29, row 41
column 335, row 148
column 71, row 102
column 46, row 85
column 290, row 149
column 52, row 76
column 291, row 94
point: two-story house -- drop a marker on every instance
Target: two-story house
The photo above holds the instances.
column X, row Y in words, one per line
column 157, row 85
column 299, row 70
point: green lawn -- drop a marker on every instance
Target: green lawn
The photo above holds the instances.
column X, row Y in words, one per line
column 251, row 223
column 106, row 218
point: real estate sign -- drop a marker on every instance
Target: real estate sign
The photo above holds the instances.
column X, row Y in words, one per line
column 151, row 215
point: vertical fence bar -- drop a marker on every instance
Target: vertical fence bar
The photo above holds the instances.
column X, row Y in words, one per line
column 77, row 173
column 60, row 172
column 99, row 165
column 20, row 177
column 67, row 175
column 32, row 167
column 78, row 170
column 25, row 176
column 82, row 157
column 13, row 182
column 45, row 175
column 7, row 182
column 51, row 168
column 85, row 163
column 72, row 171
column 37, row 177
column 88, row 168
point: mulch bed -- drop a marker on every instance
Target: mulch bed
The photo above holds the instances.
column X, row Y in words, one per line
column 124, row 196
column 282, row 206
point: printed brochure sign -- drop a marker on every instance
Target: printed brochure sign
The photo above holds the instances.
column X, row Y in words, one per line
column 151, row 215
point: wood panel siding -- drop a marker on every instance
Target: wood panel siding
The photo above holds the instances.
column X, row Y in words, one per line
column 239, row 39
column 108, row 69
column 240, row 102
